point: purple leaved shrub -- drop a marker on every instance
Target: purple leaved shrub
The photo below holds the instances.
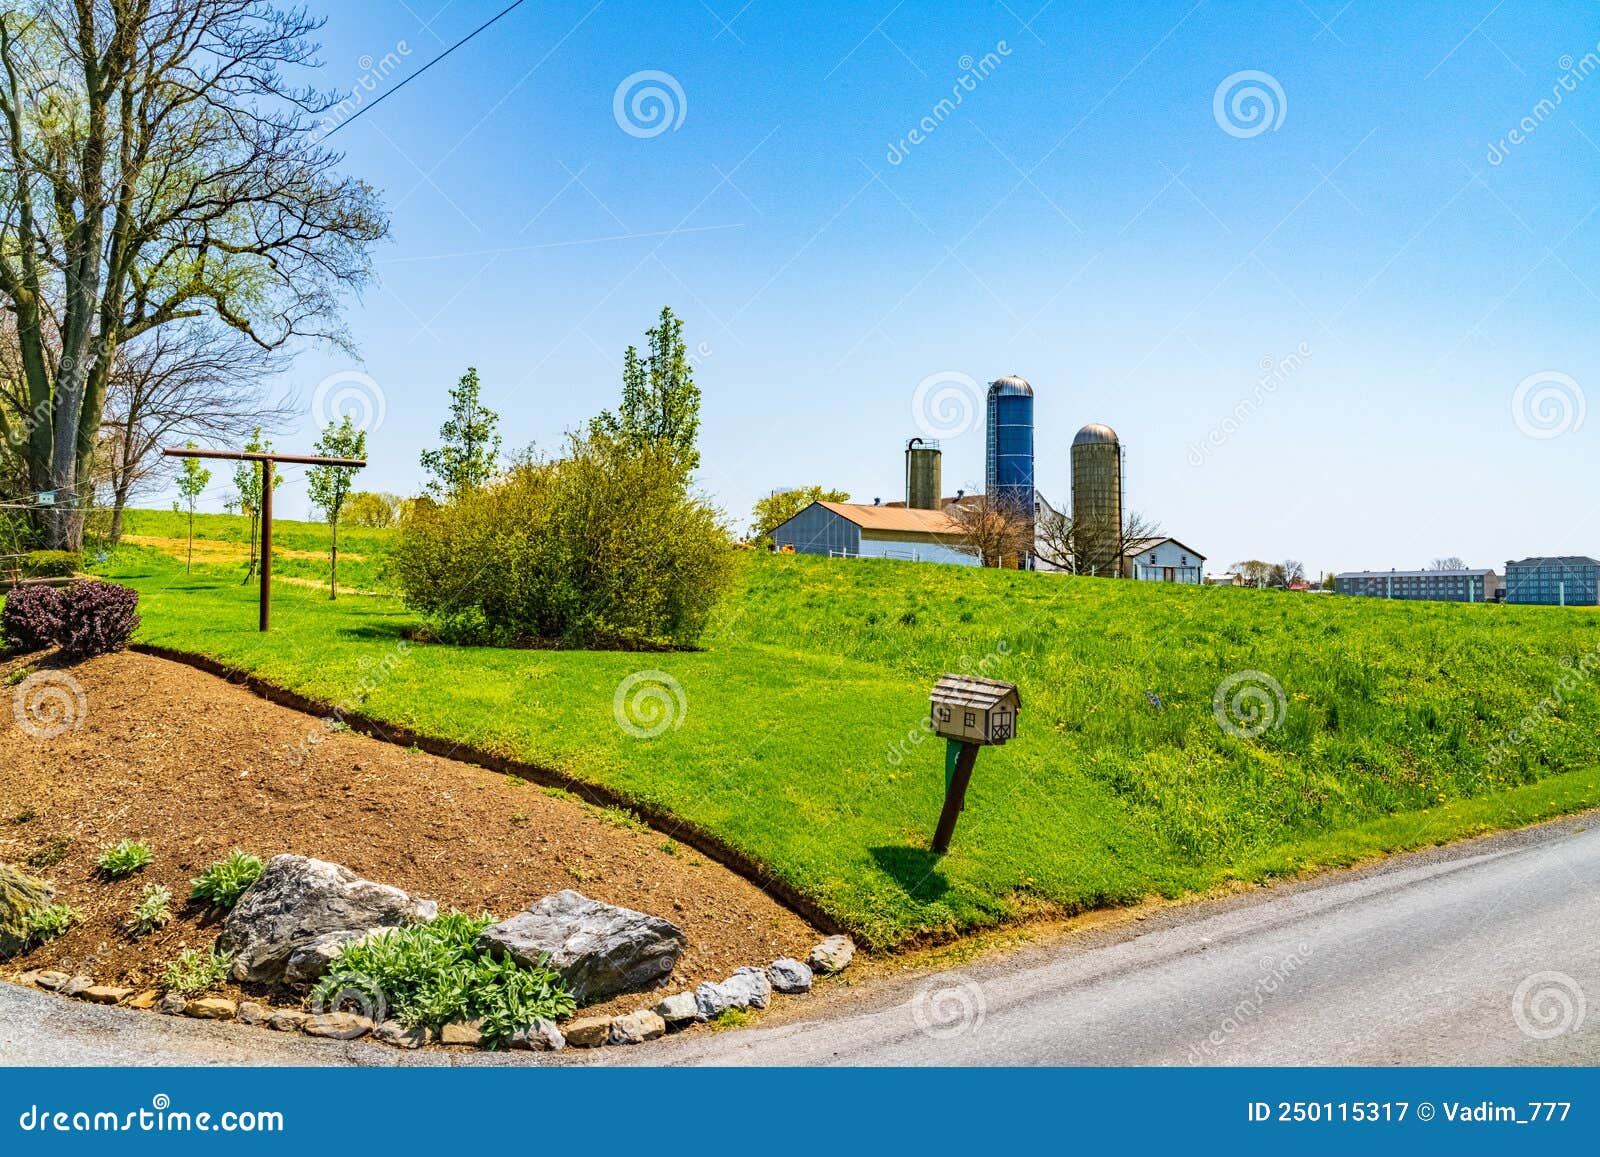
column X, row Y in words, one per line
column 96, row 618
column 32, row 617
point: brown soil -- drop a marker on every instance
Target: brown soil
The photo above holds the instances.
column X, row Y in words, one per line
column 212, row 550
column 195, row 766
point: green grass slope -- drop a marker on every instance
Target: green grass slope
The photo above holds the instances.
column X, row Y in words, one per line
column 796, row 738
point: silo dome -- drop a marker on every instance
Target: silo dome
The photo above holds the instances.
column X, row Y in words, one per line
column 1009, row 385
column 1094, row 434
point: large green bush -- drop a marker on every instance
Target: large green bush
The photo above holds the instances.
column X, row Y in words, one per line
column 608, row 547
column 51, row 563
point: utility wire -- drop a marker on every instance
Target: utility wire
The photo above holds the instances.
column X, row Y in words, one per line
column 368, row 108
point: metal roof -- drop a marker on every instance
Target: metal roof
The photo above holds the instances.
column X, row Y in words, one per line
column 1011, row 384
column 972, row 691
column 895, row 518
column 1140, row 545
column 1380, row 574
column 1096, row 433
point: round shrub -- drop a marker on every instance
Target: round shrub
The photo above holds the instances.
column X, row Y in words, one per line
column 32, row 617
column 52, row 563
column 96, row 618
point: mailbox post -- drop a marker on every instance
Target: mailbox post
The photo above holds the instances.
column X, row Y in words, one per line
column 970, row 712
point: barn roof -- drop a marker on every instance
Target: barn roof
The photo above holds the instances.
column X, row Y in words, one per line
column 894, row 518
column 972, row 691
column 1140, row 545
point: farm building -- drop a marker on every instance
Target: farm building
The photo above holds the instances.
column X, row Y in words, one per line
column 853, row 530
column 1162, row 560
column 1571, row 580
column 1454, row 586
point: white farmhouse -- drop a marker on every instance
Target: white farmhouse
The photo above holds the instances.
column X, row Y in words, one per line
column 1163, row 560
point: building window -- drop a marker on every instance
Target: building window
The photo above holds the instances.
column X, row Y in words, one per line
column 944, row 714
column 972, row 720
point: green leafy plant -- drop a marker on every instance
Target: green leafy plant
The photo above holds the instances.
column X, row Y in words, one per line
column 430, row 974
column 53, row 852
column 125, row 859
column 731, row 1018
column 621, row 817
column 224, row 882
column 192, row 972
column 50, row 921
column 153, row 910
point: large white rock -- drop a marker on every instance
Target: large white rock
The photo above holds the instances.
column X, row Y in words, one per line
column 789, row 975
column 832, row 955
column 291, row 922
column 599, row 949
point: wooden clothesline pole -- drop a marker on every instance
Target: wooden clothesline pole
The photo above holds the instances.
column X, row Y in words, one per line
column 267, row 460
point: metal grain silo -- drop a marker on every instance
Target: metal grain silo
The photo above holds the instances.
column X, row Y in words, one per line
column 924, row 473
column 1009, row 463
column 1097, row 500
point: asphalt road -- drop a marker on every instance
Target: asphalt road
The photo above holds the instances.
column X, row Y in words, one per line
column 1485, row 953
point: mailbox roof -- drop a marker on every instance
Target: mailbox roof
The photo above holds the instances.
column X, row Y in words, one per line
column 972, row 691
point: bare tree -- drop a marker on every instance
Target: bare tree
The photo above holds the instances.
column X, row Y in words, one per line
column 1449, row 562
column 1065, row 543
column 178, row 383
column 997, row 531
column 156, row 165
column 1055, row 542
column 1286, row 573
column 1137, row 529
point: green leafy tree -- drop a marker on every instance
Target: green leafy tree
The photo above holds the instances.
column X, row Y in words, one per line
column 192, row 482
column 329, row 486
column 660, row 402
column 247, row 485
column 470, row 454
column 776, row 509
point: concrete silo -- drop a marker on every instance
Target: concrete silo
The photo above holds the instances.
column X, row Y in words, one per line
column 1097, row 500
column 1009, row 460
column 924, row 473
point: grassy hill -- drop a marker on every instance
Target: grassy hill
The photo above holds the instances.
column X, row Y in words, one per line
column 795, row 733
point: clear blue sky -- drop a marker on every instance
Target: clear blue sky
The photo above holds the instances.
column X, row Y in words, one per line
column 1082, row 218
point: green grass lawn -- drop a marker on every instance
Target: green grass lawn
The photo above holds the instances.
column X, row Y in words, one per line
column 361, row 550
column 797, row 744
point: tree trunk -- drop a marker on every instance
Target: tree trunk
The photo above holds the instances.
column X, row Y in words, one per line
column 188, row 567
column 251, row 570
column 333, row 555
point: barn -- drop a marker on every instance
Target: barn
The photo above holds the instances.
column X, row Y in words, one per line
column 1162, row 560
column 854, row 530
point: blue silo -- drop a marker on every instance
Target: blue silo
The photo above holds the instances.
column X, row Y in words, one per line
column 1009, row 464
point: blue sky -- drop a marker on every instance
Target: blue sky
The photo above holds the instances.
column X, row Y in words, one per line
column 1087, row 216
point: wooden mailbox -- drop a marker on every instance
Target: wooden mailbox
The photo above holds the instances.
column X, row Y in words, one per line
column 969, row 712
column 968, row 709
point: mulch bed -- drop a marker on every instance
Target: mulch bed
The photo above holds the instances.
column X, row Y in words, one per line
column 195, row 766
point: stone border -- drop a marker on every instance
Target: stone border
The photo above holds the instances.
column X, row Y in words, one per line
column 746, row 988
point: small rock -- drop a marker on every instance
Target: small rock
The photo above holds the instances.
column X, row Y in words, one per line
column 678, row 1009
column 392, row 1032
column 50, row 979
column 339, row 1025
column 462, row 1032
column 76, row 985
column 29, row 978
column 747, row 988
column 172, row 1004
column 832, row 955
column 588, row 1032
column 789, row 976
column 211, row 1008
column 542, row 1036
column 252, row 1013
column 709, row 1000
column 105, row 994
column 286, row 1020
column 636, row 1027
column 144, row 1000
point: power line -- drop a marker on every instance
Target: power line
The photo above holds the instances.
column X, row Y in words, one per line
column 368, row 108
